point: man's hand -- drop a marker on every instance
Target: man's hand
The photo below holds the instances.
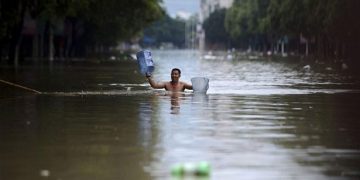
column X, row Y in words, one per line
column 147, row 75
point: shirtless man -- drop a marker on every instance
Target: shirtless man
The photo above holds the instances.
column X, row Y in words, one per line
column 174, row 85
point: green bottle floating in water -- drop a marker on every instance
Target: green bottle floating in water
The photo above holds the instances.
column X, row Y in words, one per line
column 194, row 169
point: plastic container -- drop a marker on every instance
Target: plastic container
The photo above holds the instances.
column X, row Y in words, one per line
column 200, row 84
column 191, row 169
column 145, row 62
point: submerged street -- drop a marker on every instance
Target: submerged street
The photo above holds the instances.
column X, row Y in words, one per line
column 260, row 119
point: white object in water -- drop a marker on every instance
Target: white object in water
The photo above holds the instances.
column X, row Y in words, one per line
column 200, row 84
column 306, row 68
column 344, row 66
column 45, row 173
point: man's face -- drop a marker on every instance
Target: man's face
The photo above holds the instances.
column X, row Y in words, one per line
column 175, row 75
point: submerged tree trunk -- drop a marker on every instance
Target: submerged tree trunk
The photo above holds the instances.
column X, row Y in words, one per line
column 283, row 49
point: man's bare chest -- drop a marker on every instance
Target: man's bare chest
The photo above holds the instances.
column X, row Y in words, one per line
column 174, row 86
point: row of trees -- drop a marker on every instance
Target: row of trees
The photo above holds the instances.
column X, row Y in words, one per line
column 166, row 30
column 327, row 29
column 70, row 28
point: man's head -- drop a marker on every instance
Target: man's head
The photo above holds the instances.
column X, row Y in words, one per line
column 175, row 74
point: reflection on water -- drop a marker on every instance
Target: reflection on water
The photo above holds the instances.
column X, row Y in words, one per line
column 175, row 97
column 259, row 120
column 262, row 137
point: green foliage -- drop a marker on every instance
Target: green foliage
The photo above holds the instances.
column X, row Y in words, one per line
column 236, row 20
column 215, row 29
column 93, row 22
column 114, row 20
column 10, row 12
column 329, row 23
column 165, row 30
column 284, row 17
column 246, row 21
column 246, row 17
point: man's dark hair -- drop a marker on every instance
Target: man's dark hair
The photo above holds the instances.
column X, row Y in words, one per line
column 176, row 69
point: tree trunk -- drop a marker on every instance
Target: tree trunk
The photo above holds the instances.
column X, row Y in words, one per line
column 42, row 45
column 51, row 43
column 1, row 48
column 35, row 50
column 16, row 37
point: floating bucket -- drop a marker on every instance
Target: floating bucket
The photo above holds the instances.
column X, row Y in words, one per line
column 200, row 84
column 145, row 62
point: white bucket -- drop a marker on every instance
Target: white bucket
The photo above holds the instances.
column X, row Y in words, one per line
column 200, row 84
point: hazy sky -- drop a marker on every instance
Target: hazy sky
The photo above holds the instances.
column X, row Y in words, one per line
column 183, row 8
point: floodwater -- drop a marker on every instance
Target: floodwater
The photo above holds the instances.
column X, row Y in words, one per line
column 260, row 119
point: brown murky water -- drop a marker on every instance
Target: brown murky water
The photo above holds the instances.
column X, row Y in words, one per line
column 259, row 120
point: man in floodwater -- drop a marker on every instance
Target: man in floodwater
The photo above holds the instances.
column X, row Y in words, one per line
column 174, row 85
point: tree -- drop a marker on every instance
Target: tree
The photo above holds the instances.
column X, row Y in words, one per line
column 92, row 22
column 165, row 30
column 215, row 29
column 245, row 21
column 331, row 26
